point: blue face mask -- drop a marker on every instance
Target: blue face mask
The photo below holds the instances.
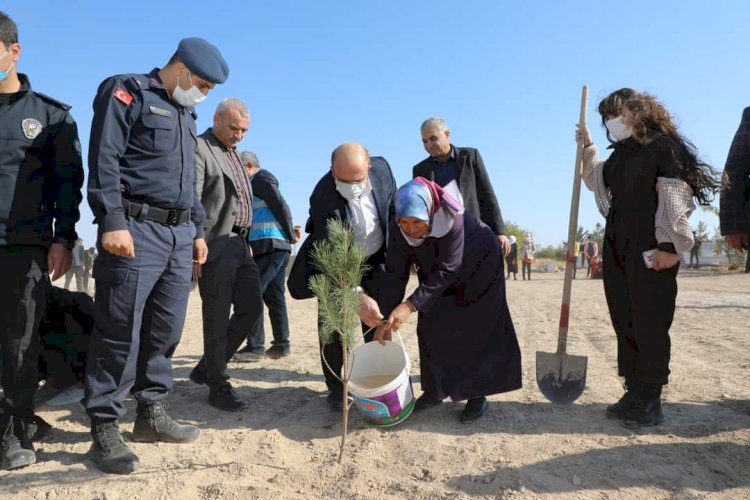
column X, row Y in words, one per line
column 4, row 74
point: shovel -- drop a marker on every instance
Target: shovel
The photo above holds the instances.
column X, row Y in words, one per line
column 560, row 376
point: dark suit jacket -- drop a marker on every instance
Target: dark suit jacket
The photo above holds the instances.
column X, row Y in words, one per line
column 327, row 203
column 734, row 201
column 474, row 184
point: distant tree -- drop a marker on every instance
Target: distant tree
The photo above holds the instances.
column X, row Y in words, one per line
column 597, row 234
column 511, row 228
column 548, row 252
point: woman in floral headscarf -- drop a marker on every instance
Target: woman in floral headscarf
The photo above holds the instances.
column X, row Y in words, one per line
column 467, row 343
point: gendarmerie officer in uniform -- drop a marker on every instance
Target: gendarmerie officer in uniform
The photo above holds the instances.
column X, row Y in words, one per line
column 142, row 191
column 41, row 175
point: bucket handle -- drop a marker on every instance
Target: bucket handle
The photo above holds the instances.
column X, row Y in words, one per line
column 407, row 360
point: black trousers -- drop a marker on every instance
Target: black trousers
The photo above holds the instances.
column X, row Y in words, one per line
column 641, row 304
column 23, row 298
column 333, row 351
column 229, row 281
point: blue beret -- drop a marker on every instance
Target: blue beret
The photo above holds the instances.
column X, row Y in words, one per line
column 203, row 59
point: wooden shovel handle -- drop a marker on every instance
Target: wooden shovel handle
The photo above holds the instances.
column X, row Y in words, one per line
column 570, row 261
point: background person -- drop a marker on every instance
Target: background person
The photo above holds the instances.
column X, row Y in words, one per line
column 528, row 249
column 271, row 238
column 512, row 258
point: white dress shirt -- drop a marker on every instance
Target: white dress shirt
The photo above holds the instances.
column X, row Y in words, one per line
column 363, row 217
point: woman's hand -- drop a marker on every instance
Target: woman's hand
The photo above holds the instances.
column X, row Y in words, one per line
column 665, row 260
column 582, row 135
column 399, row 316
column 382, row 333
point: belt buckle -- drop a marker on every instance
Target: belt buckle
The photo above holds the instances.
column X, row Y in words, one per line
column 244, row 232
column 172, row 217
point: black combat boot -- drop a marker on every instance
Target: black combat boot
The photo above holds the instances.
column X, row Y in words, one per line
column 622, row 407
column 153, row 424
column 15, row 447
column 646, row 408
column 109, row 451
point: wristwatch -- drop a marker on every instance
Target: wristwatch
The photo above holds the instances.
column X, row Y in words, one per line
column 69, row 244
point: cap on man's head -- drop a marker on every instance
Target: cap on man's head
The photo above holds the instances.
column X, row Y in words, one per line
column 203, row 59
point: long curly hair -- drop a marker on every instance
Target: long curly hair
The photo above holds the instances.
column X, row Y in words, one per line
column 651, row 120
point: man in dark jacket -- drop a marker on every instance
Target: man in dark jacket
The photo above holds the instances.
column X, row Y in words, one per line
column 465, row 166
column 359, row 190
column 41, row 175
column 271, row 238
column 734, row 211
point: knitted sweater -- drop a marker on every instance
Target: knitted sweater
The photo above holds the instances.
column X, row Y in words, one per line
column 673, row 210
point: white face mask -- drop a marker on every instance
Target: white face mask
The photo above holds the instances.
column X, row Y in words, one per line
column 190, row 97
column 617, row 129
column 351, row 191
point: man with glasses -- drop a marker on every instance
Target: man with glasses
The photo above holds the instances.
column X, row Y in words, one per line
column 358, row 189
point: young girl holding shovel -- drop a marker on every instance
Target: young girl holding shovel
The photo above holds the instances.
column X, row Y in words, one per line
column 645, row 190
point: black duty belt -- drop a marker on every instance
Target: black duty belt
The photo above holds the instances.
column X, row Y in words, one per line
column 242, row 231
column 142, row 211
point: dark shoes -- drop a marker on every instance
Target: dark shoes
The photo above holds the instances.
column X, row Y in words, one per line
column 621, row 408
column 16, row 449
column 153, row 424
column 224, row 398
column 425, row 402
column 645, row 410
column 278, row 351
column 474, row 409
column 37, row 429
column 247, row 355
column 198, row 376
column 109, row 451
column 336, row 399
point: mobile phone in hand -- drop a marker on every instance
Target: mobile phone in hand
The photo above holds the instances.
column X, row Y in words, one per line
column 649, row 256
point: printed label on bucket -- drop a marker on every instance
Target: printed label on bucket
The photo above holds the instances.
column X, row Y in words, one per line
column 387, row 409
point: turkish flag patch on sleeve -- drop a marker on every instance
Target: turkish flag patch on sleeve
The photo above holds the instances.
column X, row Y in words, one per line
column 122, row 95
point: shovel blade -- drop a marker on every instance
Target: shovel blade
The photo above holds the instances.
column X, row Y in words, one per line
column 561, row 377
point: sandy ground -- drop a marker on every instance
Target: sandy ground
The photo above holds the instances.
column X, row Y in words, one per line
column 286, row 444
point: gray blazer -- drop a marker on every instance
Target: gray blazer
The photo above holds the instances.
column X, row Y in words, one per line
column 218, row 194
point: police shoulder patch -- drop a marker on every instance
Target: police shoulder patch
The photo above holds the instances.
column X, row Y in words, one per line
column 31, row 127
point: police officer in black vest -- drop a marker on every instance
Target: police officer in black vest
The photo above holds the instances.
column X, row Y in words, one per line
column 40, row 189
column 141, row 189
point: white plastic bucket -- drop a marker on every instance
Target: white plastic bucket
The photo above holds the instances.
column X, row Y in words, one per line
column 380, row 383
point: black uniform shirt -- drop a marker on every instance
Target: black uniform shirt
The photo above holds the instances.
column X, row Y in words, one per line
column 41, row 171
column 145, row 142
